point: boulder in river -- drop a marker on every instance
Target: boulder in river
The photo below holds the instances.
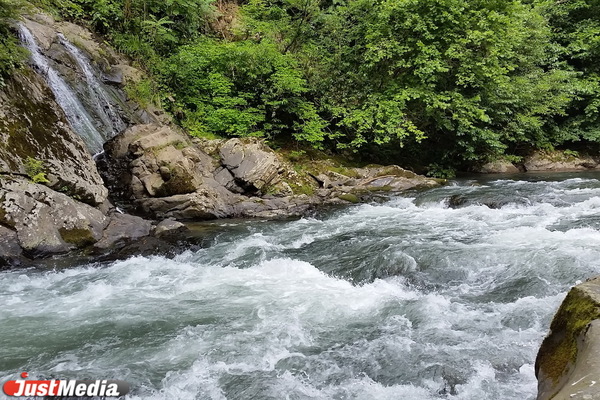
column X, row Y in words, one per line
column 47, row 222
column 568, row 362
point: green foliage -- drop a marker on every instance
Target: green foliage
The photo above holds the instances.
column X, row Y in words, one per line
column 444, row 83
column 576, row 39
column 439, row 171
column 145, row 92
column 35, row 170
column 241, row 89
column 11, row 54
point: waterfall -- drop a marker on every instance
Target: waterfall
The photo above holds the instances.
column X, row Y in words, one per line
column 96, row 123
column 101, row 100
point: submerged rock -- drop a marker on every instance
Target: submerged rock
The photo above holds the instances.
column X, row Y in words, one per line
column 568, row 362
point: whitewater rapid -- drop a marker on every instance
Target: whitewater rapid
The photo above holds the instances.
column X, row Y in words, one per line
column 445, row 294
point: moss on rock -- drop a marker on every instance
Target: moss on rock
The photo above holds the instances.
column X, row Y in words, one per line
column 559, row 349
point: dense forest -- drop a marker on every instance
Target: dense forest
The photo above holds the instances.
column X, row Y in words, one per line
column 446, row 84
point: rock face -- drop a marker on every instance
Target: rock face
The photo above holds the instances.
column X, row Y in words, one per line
column 164, row 174
column 33, row 128
column 558, row 161
column 45, row 221
column 252, row 165
column 568, row 362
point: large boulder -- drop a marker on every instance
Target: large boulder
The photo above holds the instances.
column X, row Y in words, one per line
column 33, row 129
column 568, row 362
column 251, row 163
column 558, row 161
column 498, row 167
column 164, row 174
column 47, row 222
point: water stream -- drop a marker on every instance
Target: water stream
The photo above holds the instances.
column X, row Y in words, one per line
column 91, row 115
column 445, row 294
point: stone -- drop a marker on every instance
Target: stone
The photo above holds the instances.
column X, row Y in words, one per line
column 169, row 228
column 558, row 161
column 252, row 163
column 10, row 252
column 113, row 77
column 47, row 222
column 123, row 228
column 568, row 362
column 33, row 127
column 498, row 167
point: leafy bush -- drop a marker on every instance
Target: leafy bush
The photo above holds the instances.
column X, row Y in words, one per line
column 35, row 170
column 241, row 89
column 11, row 54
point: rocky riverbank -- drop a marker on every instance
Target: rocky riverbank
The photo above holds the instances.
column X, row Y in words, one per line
column 544, row 161
column 53, row 199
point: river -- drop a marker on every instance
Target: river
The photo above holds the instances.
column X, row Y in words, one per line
column 444, row 294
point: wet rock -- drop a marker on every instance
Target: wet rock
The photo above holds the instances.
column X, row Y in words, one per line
column 33, row 128
column 457, row 201
column 122, row 229
column 170, row 228
column 11, row 253
column 47, row 222
column 114, row 76
column 568, row 362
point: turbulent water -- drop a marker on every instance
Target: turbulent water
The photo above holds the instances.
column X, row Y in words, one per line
column 445, row 294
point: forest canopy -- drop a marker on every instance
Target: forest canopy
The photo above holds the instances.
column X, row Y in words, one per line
column 449, row 83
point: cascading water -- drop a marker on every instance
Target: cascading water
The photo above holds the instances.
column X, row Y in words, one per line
column 443, row 295
column 97, row 122
column 100, row 99
column 75, row 112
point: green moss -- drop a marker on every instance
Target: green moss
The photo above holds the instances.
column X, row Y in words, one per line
column 559, row 350
column 349, row 197
column 301, row 188
column 78, row 237
column 349, row 172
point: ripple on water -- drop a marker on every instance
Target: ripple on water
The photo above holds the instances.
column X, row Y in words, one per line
column 410, row 299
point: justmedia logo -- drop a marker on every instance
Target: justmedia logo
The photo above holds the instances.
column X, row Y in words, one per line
column 67, row 388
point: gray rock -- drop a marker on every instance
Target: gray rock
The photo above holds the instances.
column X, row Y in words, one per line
column 251, row 162
column 32, row 126
column 568, row 362
column 47, row 222
column 169, row 228
column 558, row 161
column 113, row 77
column 10, row 251
column 498, row 167
column 123, row 228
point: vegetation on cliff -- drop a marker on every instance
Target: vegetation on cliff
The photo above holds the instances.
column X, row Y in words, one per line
column 447, row 83
column 11, row 54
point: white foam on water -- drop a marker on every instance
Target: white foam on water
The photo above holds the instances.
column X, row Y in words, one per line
column 456, row 305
